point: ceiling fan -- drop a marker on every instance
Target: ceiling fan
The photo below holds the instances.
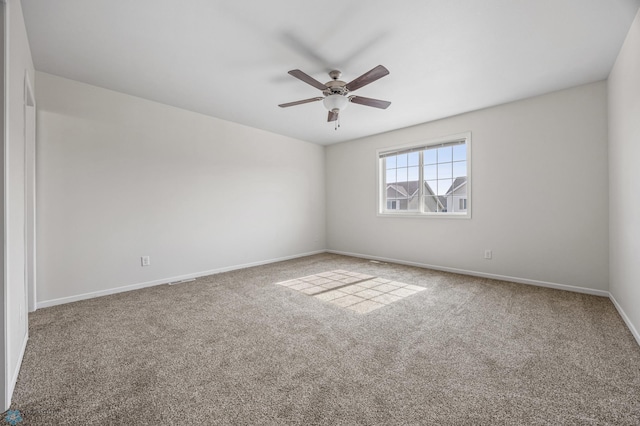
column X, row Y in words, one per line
column 336, row 92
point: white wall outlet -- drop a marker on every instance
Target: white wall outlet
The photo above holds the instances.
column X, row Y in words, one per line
column 488, row 254
column 145, row 260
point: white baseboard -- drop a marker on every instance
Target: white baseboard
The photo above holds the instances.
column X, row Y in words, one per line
column 575, row 289
column 11, row 385
column 566, row 287
column 625, row 318
column 527, row 281
column 69, row 299
column 75, row 298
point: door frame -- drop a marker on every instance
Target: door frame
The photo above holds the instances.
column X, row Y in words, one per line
column 30, row 192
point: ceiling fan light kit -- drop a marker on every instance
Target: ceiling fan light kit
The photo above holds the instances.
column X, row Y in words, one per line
column 335, row 92
column 333, row 102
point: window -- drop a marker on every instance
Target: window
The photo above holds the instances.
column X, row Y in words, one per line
column 427, row 179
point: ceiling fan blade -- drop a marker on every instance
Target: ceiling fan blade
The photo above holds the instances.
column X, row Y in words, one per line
column 333, row 116
column 304, row 101
column 307, row 79
column 295, row 42
column 376, row 103
column 367, row 77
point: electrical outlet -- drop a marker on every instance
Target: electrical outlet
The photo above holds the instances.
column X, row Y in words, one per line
column 145, row 260
column 488, row 254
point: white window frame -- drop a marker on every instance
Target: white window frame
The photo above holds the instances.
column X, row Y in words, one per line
column 381, row 209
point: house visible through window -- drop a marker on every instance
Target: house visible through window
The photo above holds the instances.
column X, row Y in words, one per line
column 431, row 178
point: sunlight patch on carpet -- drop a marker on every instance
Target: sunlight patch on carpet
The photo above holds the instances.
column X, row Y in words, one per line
column 360, row 293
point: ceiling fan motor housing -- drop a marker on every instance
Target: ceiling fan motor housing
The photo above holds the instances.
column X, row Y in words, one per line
column 335, row 87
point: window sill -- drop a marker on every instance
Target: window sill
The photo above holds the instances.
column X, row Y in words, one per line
column 466, row 215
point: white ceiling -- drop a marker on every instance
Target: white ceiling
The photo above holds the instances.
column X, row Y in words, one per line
column 229, row 58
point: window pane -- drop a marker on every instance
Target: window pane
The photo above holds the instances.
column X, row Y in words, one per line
column 391, row 162
column 460, row 152
column 461, row 187
column 459, row 169
column 459, row 204
column 431, row 180
column 430, row 172
column 430, row 156
column 444, row 185
column 431, row 204
column 414, row 173
column 413, row 203
column 430, row 189
column 391, row 176
column 414, row 158
column 402, row 174
column 445, row 170
column 445, row 154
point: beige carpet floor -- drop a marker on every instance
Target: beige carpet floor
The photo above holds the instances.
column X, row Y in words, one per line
column 236, row 349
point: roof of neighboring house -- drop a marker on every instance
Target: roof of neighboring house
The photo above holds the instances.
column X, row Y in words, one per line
column 411, row 189
column 401, row 190
column 408, row 189
column 457, row 183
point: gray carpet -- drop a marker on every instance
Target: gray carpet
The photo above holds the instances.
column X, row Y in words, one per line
column 235, row 349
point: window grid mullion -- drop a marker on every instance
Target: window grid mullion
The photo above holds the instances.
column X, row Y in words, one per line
column 384, row 183
column 421, row 181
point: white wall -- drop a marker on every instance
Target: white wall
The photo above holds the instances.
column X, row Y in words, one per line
column 624, row 179
column 18, row 63
column 120, row 177
column 539, row 195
